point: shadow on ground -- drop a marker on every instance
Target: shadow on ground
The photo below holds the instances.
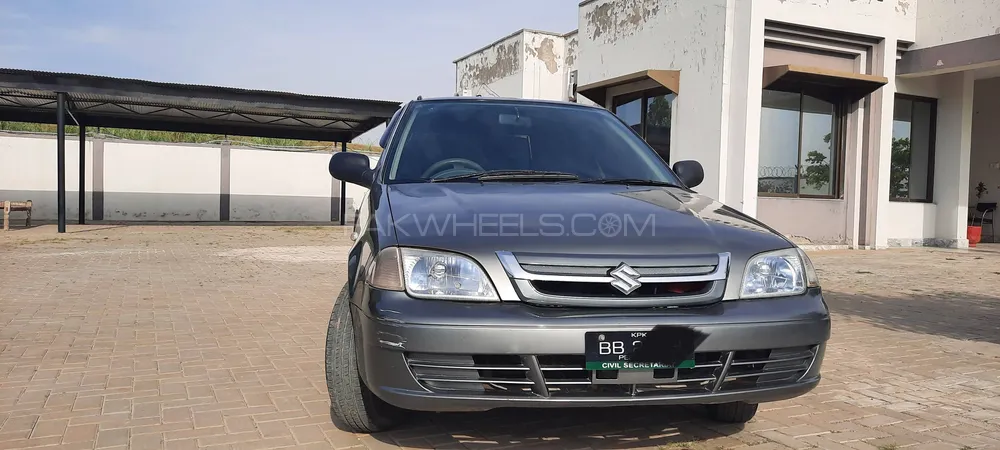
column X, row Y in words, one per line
column 629, row 427
column 961, row 316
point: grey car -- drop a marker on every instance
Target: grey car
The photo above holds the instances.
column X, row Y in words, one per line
column 528, row 253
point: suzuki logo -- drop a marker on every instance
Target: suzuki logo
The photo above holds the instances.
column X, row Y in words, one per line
column 626, row 279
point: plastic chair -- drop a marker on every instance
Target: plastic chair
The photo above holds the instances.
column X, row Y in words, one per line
column 984, row 214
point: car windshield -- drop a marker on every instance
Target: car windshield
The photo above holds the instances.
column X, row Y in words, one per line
column 457, row 139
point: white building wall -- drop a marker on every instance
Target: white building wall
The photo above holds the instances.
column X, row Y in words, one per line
column 573, row 56
column 620, row 37
column 910, row 224
column 867, row 17
column 169, row 182
column 161, row 182
column 28, row 172
column 943, row 22
column 301, row 190
column 496, row 70
column 953, row 156
column 544, row 66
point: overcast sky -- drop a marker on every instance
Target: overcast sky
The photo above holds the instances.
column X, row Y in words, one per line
column 389, row 50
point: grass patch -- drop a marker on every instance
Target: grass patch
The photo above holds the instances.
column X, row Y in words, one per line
column 187, row 138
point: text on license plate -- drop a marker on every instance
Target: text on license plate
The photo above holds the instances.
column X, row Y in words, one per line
column 661, row 348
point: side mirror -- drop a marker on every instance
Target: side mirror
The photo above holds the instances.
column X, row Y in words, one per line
column 690, row 172
column 352, row 168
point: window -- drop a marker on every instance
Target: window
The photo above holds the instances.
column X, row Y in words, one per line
column 911, row 170
column 800, row 146
column 444, row 138
column 649, row 114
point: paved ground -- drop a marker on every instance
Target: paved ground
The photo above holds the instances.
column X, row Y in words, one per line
column 212, row 337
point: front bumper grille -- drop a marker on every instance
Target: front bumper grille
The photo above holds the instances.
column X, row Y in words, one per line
column 590, row 280
column 566, row 375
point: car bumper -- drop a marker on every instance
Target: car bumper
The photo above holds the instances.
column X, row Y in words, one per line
column 448, row 356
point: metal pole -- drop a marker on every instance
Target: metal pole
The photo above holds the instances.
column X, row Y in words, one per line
column 343, row 190
column 61, row 159
column 82, row 200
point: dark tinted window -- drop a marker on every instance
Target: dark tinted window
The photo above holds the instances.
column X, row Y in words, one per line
column 629, row 109
column 588, row 142
column 649, row 114
column 911, row 170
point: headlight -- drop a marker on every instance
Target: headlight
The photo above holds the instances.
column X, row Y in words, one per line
column 445, row 276
column 777, row 274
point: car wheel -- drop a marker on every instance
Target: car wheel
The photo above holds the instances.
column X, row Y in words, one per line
column 353, row 407
column 735, row 412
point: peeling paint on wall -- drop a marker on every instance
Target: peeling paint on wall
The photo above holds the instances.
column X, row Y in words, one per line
column 940, row 22
column 833, row 3
column 903, row 6
column 544, row 52
column 618, row 19
column 489, row 66
column 571, row 46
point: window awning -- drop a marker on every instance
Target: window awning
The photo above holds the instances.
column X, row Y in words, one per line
column 829, row 84
column 598, row 92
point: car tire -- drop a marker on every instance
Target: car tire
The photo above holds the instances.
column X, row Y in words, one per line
column 353, row 407
column 735, row 412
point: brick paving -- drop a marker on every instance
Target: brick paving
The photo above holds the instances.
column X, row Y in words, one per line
column 175, row 337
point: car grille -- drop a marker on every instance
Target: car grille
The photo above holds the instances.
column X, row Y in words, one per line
column 587, row 280
column 571, row 289
column 566, row 375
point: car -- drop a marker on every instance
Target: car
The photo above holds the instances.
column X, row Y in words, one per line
column 517, row 253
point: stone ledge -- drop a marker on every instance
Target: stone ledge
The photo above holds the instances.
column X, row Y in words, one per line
column 927, row 242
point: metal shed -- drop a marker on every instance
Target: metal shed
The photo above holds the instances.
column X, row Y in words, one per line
column 100, row 101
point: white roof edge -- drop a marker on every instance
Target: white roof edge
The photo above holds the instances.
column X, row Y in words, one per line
column 507, row 37
column 491, row 44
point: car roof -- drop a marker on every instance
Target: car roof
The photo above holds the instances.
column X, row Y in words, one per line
column 530, row 101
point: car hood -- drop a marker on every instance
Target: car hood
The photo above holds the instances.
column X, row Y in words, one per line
column 572, row 218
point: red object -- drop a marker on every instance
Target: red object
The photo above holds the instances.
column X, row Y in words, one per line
column 975, row 234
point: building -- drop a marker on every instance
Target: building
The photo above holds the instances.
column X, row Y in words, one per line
column 860, row 123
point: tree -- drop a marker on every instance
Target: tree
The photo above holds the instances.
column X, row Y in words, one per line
column 659, row 111
column 817, row 172
column 899, row 168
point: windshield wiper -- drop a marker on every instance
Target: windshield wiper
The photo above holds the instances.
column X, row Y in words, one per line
column 631, row 181
column 494, row 175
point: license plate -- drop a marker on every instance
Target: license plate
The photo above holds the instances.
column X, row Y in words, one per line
column 659, row 348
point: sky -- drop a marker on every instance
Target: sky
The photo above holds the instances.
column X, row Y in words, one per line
column 388, row 50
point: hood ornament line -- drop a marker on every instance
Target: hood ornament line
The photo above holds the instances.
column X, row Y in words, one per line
column 625, row 278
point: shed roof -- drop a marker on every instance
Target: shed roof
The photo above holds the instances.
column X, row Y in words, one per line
column 101, row 101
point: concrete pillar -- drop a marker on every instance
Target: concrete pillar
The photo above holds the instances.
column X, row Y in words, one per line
column 745, row 60
column 953, row 149
column 879, row 156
